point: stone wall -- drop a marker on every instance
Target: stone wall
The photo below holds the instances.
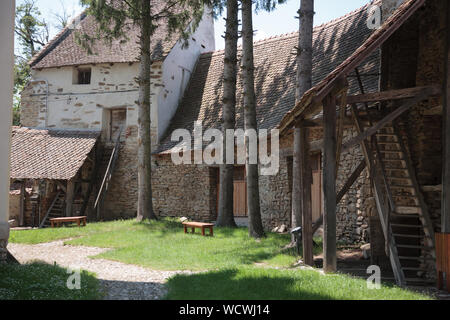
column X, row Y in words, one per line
column 191, row 191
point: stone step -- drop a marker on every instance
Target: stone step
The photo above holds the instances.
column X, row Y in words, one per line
column 413, row 269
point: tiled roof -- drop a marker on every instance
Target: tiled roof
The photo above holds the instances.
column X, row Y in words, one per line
column 49, row 153
column 275, row 75
column 372, row 44
column 63, row 50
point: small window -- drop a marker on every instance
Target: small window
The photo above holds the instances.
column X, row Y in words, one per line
column 82, row 76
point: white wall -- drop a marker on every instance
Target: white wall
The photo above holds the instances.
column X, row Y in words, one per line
column 178, row 68
column 113, row 86
column 7, row 8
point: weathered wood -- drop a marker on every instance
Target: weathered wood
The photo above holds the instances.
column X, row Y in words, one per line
column 296, row 218
column 306, row 182
column 22, row 204
column 329, row 185
column 386, row 120
column 445, row 219
column 61, row 185
column 351, row 180
column 340, row 130
column 382, row 205
column 70, row 194
column 393, row 94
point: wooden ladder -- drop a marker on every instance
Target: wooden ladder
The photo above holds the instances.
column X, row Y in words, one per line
column 383, row 198
column 108, row 175
column 410, row 221
column 56, row 210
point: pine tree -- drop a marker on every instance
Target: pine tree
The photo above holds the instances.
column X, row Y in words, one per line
column 226, row 187
column 112, row 16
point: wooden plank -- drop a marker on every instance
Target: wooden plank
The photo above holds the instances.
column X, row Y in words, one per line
column 386, row 120
column 340, row 130
column 70, row 194
column 306, row 177
column 399, row 94
column 382, row 205
column 445, row 218
column 22, row 204
column 329, row 185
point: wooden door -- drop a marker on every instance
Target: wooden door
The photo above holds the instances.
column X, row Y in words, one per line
column 239, row 192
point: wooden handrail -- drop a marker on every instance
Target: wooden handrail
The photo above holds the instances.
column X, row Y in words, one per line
column 111, row 165
column 50, row 209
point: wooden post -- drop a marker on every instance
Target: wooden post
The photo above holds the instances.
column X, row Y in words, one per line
column 22, row 204
column 69, row 197
column 329, row 184
column 306, row 181
column 296, row 181
column 445, row 224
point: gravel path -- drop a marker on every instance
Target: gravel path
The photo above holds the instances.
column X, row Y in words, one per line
column 120, row 281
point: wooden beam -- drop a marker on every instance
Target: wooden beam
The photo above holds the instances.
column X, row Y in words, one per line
column 22, row 204
column 393, row 94
column 306, row 182
column 340, row 130
column 351, row 180
column 63, row 187
column 70, row 194
column 329, row 185
column 386, row 120
column 445, row 215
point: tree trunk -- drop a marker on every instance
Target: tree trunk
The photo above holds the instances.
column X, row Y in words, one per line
column 301, row 195
column 254, row 211
column 145, row 203
column 226, row 215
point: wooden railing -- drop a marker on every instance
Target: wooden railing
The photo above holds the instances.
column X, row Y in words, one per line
column 108, row 175
column 50, row 209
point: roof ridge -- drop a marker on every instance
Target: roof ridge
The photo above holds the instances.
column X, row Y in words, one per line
column 295, row 33
column 47, row 47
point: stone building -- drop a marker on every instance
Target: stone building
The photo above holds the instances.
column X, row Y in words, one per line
column 175, row 187
column 388, row 77
column 71, row 89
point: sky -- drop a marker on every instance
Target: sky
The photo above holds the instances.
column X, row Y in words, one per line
column 277, row 22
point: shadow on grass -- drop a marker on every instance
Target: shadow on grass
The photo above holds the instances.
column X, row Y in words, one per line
column 230, row 284
column 42, row 281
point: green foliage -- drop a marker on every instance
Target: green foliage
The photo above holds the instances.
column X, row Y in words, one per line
column 41, row 281
column 113, row 16
column 251, row 283
column 32, row 34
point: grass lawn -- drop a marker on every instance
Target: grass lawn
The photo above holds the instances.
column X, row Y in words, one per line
column 162, row 245
column 250, row 283
column 233, row 265
column 39, row 281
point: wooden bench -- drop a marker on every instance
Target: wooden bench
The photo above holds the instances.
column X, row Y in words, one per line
column 199, row 225
column 59, row 221
column 443, row 259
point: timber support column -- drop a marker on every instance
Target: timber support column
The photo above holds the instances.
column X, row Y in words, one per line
column 445, row 224
column 70, row 194
column 7, row 12
column 329, row 185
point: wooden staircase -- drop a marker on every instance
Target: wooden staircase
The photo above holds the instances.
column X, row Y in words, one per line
column 406, row 225
column 56, row 210
column 412, row 230
column 107, row 166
